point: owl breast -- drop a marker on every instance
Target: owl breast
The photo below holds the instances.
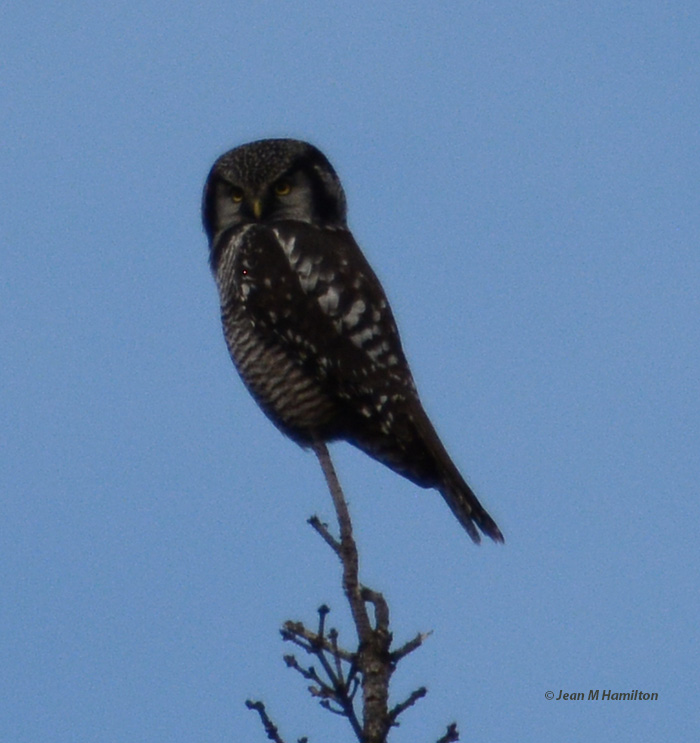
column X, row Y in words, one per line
column 289, row 397
column 276, row 375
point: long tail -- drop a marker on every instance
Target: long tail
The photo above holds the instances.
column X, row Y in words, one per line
column 422, row 458
column 466, row 507
column 458, row 495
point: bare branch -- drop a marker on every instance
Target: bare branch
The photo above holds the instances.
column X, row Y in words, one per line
column 410, row 646
column 403, row 706
column 308, row 673
column 381, row 608
column 322, row 614
column 452, row 734
column 335, row 650
column 348, row 549
column 374, row 660
column 337, row 673
column 322, row 529
column 270, row 728
column 298, row 634
column 337, row 692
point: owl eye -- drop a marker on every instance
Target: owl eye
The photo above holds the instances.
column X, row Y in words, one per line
column 282, row 188
column 236, row 195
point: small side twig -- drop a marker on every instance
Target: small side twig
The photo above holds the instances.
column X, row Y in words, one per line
column 337, row 690
column 322, row 529
column 452, row 734
column 297, row 633
column 413, row 697
column 410, row 646
column 270, row 728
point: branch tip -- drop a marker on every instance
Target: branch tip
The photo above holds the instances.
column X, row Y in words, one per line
column 452, row 734
column 270, row 728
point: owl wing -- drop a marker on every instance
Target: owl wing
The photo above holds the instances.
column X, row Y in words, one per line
column 314, row 292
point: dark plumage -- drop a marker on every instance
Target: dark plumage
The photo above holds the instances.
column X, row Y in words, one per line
column 307, row 322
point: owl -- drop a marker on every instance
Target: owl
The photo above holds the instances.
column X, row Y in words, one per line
column 307, row 322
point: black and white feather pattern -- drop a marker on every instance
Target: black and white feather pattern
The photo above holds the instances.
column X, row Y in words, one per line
column 308, row 324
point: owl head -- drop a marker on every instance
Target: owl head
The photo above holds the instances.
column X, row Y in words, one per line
column 272, row 180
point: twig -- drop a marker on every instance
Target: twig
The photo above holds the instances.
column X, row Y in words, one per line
column 270, row 728
column 337, row 691
column 452, row 734
column 298, row 634
column 410, row 646
column 322, row 529
column 403, row 706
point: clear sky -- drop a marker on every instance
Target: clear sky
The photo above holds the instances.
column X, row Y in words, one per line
column 525, row 179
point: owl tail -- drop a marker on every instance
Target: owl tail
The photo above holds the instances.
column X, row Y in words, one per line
column 453, row 487
column 421, row 458
column 466, row 507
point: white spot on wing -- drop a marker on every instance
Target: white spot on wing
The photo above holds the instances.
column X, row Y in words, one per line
column 305, row 268
column 352, row 316
column 377, row 351
column 359, row 339
column 308, row 275
column 288, row 245
column 329, row 300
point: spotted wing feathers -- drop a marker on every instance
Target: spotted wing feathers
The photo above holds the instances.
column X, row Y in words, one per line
column 320, row 312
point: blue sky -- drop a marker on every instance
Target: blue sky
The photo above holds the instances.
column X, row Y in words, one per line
column 525, row 179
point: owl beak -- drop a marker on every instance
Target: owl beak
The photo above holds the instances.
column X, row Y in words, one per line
column 257, row 208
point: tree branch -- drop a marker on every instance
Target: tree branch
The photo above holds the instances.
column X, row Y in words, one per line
column 347, row 549
column 342, row 673
column 451, row 736
column 374, row 659
column 270, row 728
